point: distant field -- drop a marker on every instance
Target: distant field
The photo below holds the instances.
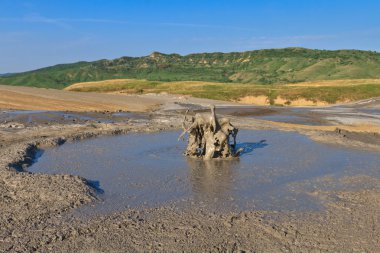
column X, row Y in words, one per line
column 306, row 93
column 344, row 82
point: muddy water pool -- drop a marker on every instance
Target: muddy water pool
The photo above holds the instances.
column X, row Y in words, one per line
column 149, row 170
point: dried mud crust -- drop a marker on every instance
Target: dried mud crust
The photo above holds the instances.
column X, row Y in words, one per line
column 369, row 141
column 28, row 200
column 33, row 210
column 350, row 224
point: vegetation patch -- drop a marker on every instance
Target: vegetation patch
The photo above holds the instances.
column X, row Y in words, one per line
column 313, row 94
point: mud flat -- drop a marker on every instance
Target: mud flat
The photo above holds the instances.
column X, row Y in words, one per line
column 30, row 98
column 138, row 170
column 36, row 206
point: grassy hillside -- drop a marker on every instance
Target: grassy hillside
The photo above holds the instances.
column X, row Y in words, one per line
column 272, row 66
column 306, row 93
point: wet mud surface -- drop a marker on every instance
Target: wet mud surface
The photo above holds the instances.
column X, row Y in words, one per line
column 150, row 170
column 330, row 200
column 310, row 116
column 35, row 118
column 321, row 116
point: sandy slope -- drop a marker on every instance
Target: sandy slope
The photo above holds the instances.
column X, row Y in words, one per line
column 27, row 98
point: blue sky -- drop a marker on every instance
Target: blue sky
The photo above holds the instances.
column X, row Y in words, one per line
column 41, row 33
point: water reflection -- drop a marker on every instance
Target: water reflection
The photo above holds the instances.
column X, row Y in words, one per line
column 213, row 180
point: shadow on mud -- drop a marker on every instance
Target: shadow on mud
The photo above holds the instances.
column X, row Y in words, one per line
column 249, row 147
column 31, row 156
column 95, row 185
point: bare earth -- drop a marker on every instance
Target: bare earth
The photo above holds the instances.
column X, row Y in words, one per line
column 34, row 206
column 27, row 98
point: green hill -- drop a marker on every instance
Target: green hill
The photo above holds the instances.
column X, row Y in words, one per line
column 269, row 66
